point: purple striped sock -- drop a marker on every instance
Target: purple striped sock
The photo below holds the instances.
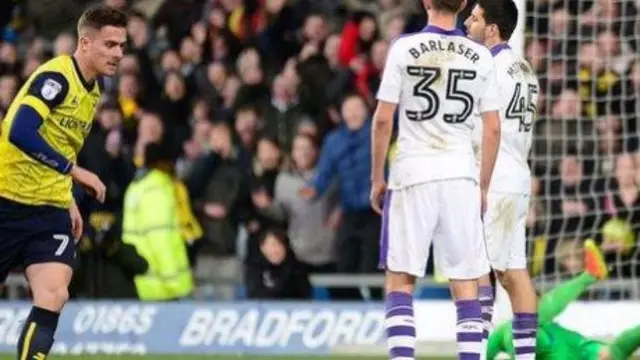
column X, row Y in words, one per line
column 469, row 329
column 401, row 331
column 524, row 335
column 486, row 303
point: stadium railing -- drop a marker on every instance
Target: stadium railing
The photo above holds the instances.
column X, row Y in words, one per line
column 428, row 287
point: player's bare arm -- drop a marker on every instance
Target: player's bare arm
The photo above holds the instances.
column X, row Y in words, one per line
column 380, row 138
column 77, row 223
column 490, row 145
column 90, row 182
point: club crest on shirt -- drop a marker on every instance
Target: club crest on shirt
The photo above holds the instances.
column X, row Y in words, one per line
column 50, row 89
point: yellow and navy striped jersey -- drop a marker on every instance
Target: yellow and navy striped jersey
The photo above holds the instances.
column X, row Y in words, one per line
column 64, row 103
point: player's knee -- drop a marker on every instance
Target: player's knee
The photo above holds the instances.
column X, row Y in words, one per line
column 49, row 284
column 463, row 289
column 50, row 297
column 519, row 277
column 484, row 280
column 399, row 282
column 503, row 279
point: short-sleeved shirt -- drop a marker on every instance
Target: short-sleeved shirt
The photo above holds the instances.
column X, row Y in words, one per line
column 518, row 85
column 437, row 77
column 66, row 103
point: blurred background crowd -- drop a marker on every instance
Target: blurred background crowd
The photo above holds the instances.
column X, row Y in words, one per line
column 263, row 107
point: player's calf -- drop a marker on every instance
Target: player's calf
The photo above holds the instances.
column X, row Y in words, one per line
column 523, row 297
column 49, row 283
column 469, row 326
column 485, row 296
column 399, row 321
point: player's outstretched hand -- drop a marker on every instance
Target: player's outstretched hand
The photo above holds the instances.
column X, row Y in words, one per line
column 90, row 182
column 378, row 188
column 76, row 221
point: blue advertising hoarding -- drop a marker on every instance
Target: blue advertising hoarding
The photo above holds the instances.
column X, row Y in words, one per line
column 204, row 328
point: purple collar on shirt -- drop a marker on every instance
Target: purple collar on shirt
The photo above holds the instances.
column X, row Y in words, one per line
column 496, row 49
column 438, row 30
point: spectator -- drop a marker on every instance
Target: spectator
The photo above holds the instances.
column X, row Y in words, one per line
column 106, row 155
column 572, row 207
column 130, row 100
column 246, row 130
column 8, row 89
column 217, row 186
column 150, row 130
column 211, row 81
column 198, row 144
column 609, row 142
column 31, row 63
column 122, row 263
column 569, row 257
column 264, row 170
column 311, row 225
column 346, row 157
column 141, row 39
column 65, row 44
column 174, row 105
column 277, row 274
column 622, row 206
column 619, row 248
column 150, row 225
column 283, row 115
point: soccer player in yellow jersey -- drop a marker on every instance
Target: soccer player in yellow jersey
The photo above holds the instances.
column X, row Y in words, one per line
column 42, row 133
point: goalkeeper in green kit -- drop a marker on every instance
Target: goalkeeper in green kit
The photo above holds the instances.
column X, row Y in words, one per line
column 555, row 342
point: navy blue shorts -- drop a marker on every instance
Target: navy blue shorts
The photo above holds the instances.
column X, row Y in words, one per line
column 32, row 235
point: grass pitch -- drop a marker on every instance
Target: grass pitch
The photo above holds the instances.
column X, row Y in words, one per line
column 216, row 357
column 223, row 357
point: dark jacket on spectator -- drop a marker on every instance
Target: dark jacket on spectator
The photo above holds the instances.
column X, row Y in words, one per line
column 115, row 172
column 321, row 87
column 108, row 266
column 346, row 155
column 259, row 180
column 217, row 180
column 288, row 280
column 277, row 41
column 257, row 95
column 177, row 16
column 567, row 225
column 282, row 124
column 623, row 265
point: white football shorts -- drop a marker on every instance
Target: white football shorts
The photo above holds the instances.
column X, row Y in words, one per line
column 445, row 212
column 504, row 228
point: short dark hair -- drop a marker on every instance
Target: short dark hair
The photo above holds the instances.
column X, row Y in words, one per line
column 278, row 233
column 502, row 13
column 155, row 153
column 97, row 17
column 452, row 6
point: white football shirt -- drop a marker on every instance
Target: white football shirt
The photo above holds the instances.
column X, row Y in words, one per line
column 518, row 86
column 437, row 77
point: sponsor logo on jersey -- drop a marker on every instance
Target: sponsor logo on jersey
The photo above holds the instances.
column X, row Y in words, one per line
column 75, row 124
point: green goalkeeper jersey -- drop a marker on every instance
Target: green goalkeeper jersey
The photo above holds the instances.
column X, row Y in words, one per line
column 553, row 342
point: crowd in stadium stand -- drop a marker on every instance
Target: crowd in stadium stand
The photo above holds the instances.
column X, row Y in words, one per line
column 585, row 157
column 266, row 106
